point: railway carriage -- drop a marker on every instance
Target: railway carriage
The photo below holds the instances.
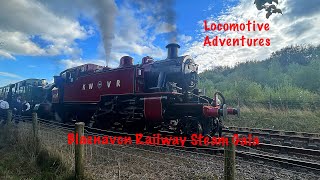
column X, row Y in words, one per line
column 31, row 90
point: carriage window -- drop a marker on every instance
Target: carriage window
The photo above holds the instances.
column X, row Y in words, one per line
column 63, row 75
column 69, row 78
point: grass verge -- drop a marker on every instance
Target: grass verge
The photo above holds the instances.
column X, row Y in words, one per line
column 290, row 120
column 19, row 160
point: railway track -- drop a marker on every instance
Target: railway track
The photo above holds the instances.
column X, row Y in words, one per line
column 247, row 155
column 288, row 149
column 279, row 137
column 273, row 131
column 283, row 161
column 274, row 157
column 299, row 149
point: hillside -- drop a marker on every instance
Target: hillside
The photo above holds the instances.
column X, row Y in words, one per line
column 288, row 77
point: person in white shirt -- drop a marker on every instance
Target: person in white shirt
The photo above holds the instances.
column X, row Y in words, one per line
column 4, row 106
column 26, row 108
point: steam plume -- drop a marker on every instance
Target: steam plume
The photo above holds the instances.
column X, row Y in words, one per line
column 105, row 16
column 163, row 11
column 170, row 17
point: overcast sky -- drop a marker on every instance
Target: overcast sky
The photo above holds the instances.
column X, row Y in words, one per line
column 40, row 38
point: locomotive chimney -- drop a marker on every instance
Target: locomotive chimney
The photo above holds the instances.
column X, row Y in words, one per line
column 172, row 50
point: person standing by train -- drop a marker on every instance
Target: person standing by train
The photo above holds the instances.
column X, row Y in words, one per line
column 26, row 108
column 4, row 106
column 17, row 109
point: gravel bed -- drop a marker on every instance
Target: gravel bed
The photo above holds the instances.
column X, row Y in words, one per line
column 148, row 162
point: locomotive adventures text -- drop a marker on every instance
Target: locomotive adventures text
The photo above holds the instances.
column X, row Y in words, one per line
column 160, row 140
column 237, row 41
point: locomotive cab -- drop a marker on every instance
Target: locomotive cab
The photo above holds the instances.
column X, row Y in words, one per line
column 174, row 74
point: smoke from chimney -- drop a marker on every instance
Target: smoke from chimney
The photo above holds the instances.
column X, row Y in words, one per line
column 163, row 11
column 170, row 17
column 105, row 16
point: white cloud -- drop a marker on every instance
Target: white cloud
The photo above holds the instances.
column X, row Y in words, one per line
column 10, row 75
column 9, row 78
column 184, row 38
column 297, row 25
column 18, row 43
column 165, row 27
column 6, row 55
column 115, row 56
column 121, row 45
column 55, row 23
column 69, row 63
column 21, row 20
column 6, row 81
column 139, row 38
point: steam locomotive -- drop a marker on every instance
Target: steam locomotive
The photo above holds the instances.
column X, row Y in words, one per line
column 152, row 96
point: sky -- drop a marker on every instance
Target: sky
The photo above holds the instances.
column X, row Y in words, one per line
column 41, row 38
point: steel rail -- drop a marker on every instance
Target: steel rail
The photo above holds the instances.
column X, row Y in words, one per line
column 280, row 160
column 285, row 135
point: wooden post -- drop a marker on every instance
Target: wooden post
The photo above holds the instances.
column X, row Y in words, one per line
column 229, row 160
column 8, row 126
column 9, row 117
column 35, row 127
column 79, row 152
column 238, row 101
column 270, row 105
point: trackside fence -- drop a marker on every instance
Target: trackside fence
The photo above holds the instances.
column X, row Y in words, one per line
column 120, row 161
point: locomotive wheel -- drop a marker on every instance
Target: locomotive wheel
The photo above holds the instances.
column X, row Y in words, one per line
column 92, row 124
column 150, row 128
column 192, row 126
column 199, row 129
column 217, row 127
column 137, row 127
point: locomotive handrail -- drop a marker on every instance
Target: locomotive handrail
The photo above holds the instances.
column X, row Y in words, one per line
column 221, row 95
column 199, row 97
